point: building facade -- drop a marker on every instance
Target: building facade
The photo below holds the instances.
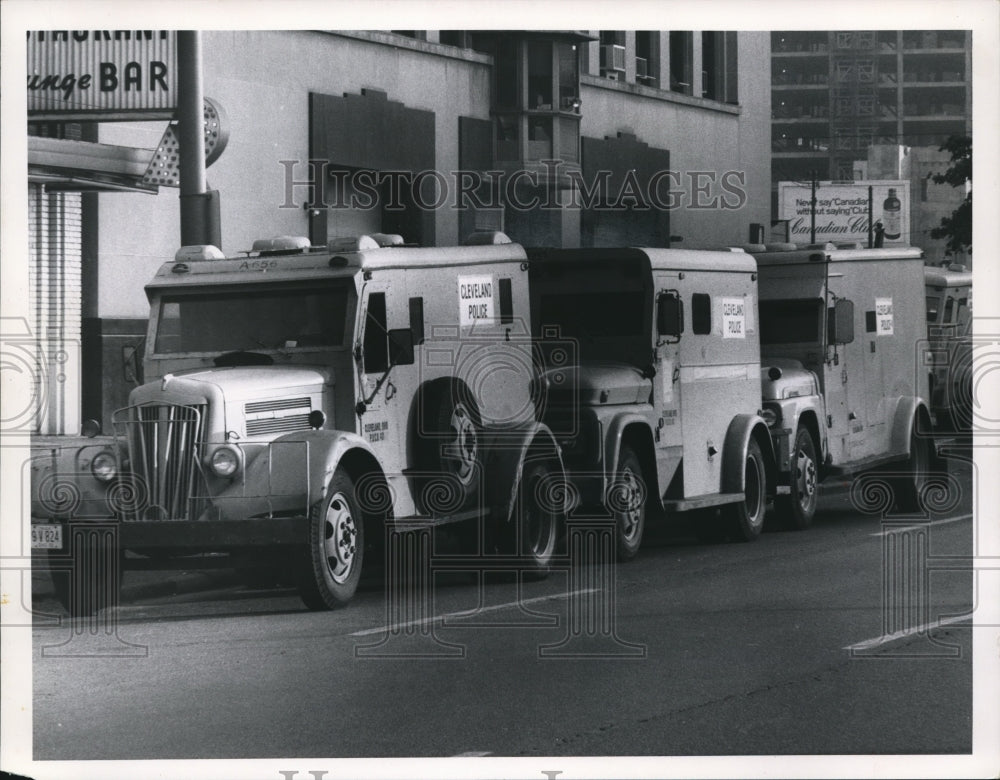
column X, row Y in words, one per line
column 836, row 93
column 559, row 138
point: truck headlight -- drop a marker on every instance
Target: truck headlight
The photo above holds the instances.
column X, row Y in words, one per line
column 771, row 415
column 225, row 461
column 104, row 467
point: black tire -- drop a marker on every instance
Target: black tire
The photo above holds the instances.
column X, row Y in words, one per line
column 626, row 502
column 745, row 520
column 538, row 521
column 798, row 509
column 93, row 581
column 336, row 547
column 909, row 488
column 449, row 442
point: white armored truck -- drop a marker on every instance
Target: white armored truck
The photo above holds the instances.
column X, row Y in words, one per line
column 845, row 388
column 296, row 400
column 660, row 414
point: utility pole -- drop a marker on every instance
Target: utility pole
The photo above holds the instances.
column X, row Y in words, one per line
column 200, row 222
column 812, row 209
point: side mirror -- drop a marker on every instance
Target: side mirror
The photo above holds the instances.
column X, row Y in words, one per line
column 670, row 315
column 132, row 362
column 840, row 322
column 401, row 347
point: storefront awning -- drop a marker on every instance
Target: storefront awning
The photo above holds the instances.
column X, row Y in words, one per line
column 83, row 166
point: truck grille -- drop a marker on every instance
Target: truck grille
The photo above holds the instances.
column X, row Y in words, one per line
column 164, row 442
column 280, row 415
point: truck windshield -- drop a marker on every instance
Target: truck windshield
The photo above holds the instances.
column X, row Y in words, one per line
column 258, row 317
column 608, row 325
column 791, row 321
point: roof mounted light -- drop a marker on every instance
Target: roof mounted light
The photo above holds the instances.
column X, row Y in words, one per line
column 486, row 238
column 198, row 252
column 351, row 244
column 284, row 245
column 387, row 239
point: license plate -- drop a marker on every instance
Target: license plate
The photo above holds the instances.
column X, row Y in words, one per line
column 46, row 537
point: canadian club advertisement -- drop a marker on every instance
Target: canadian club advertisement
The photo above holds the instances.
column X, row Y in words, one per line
column 842, row 210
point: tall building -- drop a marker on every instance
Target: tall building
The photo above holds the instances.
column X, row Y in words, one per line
column 835, row 93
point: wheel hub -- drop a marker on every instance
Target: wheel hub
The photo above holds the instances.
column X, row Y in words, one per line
column 341, row 535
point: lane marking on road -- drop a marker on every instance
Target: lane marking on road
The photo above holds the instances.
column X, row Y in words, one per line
column 942, row 521
column 472, row 612
column 867, row 644
column 473, row 754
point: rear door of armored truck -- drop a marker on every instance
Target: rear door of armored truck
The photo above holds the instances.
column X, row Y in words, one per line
column 719, row 369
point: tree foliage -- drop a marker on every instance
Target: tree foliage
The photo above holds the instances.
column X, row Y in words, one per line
column 957, row 228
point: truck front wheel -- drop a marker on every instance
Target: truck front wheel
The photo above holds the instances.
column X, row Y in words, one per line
column 627, row 504
column 798, row 508
column 539, row 521
column 336, row 547
column 746, row 518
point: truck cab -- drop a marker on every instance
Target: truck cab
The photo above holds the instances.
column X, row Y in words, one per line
column 298, row 399
column 844, row 388
column 659, row 412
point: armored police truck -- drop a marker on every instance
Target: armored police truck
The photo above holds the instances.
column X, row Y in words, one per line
column 299, row 398
column 949, row 349
column 660, row 413
column 845, row 388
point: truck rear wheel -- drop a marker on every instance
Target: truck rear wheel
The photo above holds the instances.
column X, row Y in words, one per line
column 627, row 504
column 746, row 518
column 909, row 488
column 450, row 440
column 336, row 547
column 798, row 508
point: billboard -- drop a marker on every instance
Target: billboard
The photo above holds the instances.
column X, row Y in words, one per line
column 842, row 210
column 102, row 74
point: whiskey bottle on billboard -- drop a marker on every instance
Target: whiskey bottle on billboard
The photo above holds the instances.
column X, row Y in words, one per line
column 892, row 216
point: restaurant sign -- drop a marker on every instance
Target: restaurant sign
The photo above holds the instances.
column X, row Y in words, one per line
column 102, row 74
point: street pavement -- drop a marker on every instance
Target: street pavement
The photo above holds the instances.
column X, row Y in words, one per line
column 784, row 646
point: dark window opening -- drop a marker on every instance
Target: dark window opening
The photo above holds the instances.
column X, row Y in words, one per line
column 540, row 75
column 647, row 57
column 791, row 322
column 417, row 320
column 376, row 341
column 258, row 318
column 701, row 313
column 871, row 322
column 506, row 302
column 680, row 61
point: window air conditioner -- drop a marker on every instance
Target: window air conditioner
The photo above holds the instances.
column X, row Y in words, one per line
column 613, row 58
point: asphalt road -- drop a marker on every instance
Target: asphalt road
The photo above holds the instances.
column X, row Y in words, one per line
column 691, row 649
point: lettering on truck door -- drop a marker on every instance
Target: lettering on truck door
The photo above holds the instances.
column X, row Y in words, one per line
column 383, row 420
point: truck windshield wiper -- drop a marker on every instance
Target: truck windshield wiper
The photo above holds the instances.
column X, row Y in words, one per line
column 243, row 358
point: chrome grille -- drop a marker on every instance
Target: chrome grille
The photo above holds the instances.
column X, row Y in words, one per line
column 280, row 415
column 164, row 443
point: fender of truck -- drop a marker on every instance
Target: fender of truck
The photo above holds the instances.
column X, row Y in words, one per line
column 910, row 412
column 734, row 452
column 292, row 472
column 62, row 483
column 612, row 450
column 507, row 454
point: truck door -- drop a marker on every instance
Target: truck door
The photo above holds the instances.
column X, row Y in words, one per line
column 668, row 434
column 383, row 420
column 844, row 381
column 879, row 340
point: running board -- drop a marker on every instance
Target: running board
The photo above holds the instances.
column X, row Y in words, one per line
column 700, row 502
